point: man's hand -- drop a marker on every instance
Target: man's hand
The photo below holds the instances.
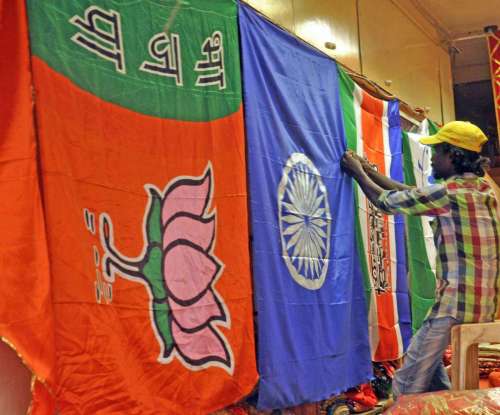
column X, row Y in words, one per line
column 357, row 167
column 351, row 164
column 368, row 166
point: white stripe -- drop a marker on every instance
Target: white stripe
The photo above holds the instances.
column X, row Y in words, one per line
column 421, row 159
column 373, row 323
column 385, row 136
column 392, row 227
column 362, row 202
column 398, row 330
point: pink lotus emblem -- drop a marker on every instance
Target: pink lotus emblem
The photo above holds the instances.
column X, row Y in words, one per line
column 179, row 268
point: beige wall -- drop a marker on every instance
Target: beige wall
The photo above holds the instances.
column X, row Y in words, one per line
column 392, row 45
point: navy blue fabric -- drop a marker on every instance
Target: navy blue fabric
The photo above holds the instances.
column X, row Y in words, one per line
column 396, row 173
column 312, row 343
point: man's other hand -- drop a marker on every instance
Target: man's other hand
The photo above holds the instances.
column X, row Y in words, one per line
column 368, row 166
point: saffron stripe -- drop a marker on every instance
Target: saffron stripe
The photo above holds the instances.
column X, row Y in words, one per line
column 372, row 126
column 373, row 323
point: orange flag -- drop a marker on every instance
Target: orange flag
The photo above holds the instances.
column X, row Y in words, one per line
column 25, row 308
column 144, row 178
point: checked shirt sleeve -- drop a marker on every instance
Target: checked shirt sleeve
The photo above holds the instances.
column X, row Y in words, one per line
column 428, row 201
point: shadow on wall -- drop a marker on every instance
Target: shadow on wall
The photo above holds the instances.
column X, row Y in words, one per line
column 15, row 381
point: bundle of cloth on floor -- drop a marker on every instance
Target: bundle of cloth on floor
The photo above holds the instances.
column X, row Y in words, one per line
column 482, row 401
column 489, row 359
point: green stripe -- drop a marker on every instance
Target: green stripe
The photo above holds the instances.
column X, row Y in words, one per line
column 421, row 277
column 346, row 88
column 146, row 92
column 433, row 128
column 468, row 273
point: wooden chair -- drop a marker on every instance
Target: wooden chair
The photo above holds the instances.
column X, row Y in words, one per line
column 464, row 348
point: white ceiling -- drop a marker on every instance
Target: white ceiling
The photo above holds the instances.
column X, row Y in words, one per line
column 462, row 16
column 465, row 18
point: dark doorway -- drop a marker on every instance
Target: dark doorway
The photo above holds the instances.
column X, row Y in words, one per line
column 474, row 103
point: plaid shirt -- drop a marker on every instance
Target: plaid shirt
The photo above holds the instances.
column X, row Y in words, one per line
column 467, row 238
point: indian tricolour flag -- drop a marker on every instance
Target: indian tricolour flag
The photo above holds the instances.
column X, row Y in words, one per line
column 420, row 245
column 373, row 130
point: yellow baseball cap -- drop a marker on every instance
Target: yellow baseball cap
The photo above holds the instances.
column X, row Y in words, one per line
column 461, row 134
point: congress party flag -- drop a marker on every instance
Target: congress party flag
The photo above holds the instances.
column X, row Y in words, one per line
column 373, row 130
column 144, row 179
column 311, row 319
column 420, row 240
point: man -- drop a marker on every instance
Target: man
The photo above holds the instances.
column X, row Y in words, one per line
column 467, row 238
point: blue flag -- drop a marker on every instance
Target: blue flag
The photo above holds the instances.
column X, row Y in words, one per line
column 311, row 315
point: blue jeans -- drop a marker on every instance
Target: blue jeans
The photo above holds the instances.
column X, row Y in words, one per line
column 423, row 369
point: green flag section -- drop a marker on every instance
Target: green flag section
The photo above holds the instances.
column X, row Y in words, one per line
column 143, row 172
column 119, row 51
column 347, row 88
column 420, row 243
column 373, row 130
